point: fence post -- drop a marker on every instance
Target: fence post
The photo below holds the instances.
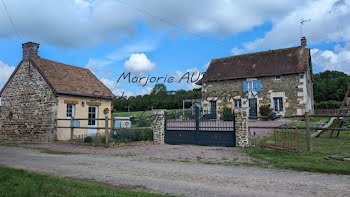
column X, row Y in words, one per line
column 308, row 132
column 106, row 131
column 71, row 129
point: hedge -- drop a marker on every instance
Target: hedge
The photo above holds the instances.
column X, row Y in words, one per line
column 131, row 135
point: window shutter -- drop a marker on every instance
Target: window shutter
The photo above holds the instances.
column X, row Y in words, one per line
column 258, row 86
column 245, row 88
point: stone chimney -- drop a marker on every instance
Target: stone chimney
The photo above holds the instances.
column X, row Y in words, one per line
column 303, row 41
column 30, row 50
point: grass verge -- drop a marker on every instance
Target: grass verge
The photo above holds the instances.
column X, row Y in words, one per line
column 15, row 182
column 313, row 161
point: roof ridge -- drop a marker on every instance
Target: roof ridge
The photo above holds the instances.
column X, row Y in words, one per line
column 259, row 52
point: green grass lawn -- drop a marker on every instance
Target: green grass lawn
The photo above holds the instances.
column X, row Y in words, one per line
column 15, row 182
column 308, row 161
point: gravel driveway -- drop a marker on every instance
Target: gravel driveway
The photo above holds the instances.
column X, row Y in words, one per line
column 152, row 152
column 181, row 178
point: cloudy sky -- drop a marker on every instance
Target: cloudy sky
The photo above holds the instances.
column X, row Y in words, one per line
column 169, row 38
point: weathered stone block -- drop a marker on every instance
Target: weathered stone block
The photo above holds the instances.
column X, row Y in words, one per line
column 158, row 126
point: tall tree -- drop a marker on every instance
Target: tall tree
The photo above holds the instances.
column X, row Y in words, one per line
column 330, row 85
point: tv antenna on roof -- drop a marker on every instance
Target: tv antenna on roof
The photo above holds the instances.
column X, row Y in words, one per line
column 302, row 21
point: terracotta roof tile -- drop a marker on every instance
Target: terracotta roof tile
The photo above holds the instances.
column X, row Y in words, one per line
column 68, row 79
column 266, row 63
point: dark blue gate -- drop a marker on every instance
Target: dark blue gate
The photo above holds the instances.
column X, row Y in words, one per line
column 201, row 129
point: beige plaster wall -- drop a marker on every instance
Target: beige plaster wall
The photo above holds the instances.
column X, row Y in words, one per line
column 80, row 111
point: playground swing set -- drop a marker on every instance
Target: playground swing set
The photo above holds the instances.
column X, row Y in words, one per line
column 338, row 120
column 286, row 138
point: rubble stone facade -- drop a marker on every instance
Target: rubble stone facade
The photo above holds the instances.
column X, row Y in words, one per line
column 243, row 137
column 29, row 108
column 294, row 89
column 158, row 126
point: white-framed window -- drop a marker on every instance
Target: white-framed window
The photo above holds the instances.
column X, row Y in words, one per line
column 92, row 115
column 277, row 77
column 252, row 85
column 278, row 104
column 70, row 110
column 238, row 103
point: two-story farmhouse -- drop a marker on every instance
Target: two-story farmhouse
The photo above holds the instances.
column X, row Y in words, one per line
column 280, row 78
column 40, row 91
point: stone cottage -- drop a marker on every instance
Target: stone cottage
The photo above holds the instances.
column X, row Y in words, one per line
column 279, row 78
column 40, row 91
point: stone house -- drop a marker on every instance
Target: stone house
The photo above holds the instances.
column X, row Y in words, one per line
column 280, row 78
column 40, row 91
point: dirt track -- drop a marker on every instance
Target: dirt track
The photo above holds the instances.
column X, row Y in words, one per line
column 189, row 179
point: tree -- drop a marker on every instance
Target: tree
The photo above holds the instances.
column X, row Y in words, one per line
column 330, row 85
column 159, row 88
column 158, row 98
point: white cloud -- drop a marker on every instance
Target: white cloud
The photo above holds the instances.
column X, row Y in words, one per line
column 193, row 73
column 138, row 47
column 118, row 54
column 139, row 62
column 97, row 64
column 236, row 51
column 118, row 89
column 339, row 59
column 5, row 73
column 329, row 23
column 82, row 23
column 206, row 66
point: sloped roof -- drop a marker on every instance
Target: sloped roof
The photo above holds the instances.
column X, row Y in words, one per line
column 68, row 79
column 73, row 80
column 266, row 63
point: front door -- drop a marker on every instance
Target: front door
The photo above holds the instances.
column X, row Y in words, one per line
column 213, row 109
column 253, row 107
column 92, row 122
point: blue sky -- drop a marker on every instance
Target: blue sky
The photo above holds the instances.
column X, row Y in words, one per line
column 160, row 38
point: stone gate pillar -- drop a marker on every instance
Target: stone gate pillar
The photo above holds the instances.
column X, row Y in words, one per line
column 158, row 126
column 242, row 131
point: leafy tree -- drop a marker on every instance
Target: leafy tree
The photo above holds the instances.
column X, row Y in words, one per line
column 330, row 85
column 158, row 98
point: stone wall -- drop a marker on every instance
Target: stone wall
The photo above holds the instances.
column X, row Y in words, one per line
column 243, row 137
column 158, row 126
column 29, row 108
column 292, row 88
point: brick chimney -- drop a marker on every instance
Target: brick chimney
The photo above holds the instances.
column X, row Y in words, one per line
column 303, row 41
column 30, row 50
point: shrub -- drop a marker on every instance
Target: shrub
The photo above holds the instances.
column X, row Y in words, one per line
column 133, row 135
column 102, row 139
column 227, row 114
column 142, row 123
column 265, row 110
column 88, row 139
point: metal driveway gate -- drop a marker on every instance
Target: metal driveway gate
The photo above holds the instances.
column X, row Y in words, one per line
column 200, row 129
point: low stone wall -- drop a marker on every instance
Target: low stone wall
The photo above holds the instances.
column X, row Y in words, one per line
column 243, row 138
column 158, row 126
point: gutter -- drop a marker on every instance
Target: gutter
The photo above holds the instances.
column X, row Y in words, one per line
column 85, row 95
